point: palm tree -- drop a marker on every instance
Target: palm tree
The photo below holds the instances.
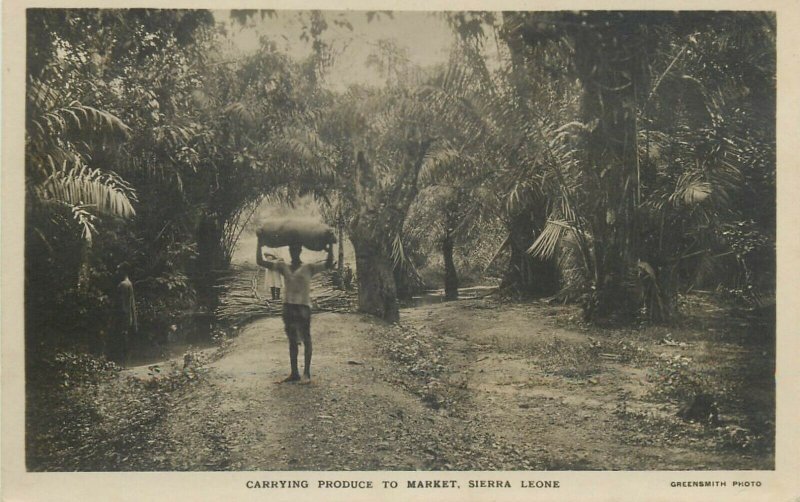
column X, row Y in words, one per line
column 377, row 141
column 59, row 176
column 490, row 120
column 708, row 131
column 663, row 163
column 69, row 189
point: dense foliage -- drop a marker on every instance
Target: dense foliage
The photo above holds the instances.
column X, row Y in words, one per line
column 645, row 183
column 147, row 144
column 619, row 158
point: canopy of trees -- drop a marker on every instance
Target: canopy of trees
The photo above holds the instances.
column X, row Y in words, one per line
column 612, row 158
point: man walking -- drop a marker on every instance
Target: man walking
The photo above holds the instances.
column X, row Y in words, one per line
column 297, row 301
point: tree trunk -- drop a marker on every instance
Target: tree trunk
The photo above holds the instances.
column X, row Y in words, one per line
column 526, row 275
column 609, row 64
column 381, row 212
column 377, row 293
column 450, row 273
column 210, row 259
column 661, row 296
column 340, row 265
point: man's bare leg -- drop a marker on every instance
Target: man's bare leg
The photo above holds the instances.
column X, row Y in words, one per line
column 293, row 350
column 307, row 354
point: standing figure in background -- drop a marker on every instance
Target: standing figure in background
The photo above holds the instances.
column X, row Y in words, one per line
column 274, row 280
column 347, row 278
column 125, row 322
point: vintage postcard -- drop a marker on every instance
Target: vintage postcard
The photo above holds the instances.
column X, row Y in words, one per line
column 419, row 251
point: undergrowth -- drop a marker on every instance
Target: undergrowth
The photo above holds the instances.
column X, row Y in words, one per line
column 82, row 414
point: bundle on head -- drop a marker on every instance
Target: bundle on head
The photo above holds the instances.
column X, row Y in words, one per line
column 311, row 234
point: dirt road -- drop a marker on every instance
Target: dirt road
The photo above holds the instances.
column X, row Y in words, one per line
column 484, row 388
column 348, row 418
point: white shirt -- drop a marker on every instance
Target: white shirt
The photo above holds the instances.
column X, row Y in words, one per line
column 297, row 283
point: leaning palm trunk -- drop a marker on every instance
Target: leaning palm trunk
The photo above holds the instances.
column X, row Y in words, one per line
column 382, row 214
column 448, row 245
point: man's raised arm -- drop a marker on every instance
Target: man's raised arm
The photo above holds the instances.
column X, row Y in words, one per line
column 324, row 265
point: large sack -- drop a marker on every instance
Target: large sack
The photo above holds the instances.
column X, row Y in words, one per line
column 308, row 233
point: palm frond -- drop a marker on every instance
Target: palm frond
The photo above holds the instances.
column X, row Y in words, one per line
column 81, row 186
column 85, row 220
column 398, row 251
column 62, row 214
column 696, row 193
column 73, row 120
column 440, row 162
column 547, row 242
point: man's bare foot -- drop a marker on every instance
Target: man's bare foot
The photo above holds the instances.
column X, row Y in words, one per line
column 289, row 379
column 306, row 380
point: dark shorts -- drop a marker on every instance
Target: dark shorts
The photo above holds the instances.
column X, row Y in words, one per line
column 297, row 321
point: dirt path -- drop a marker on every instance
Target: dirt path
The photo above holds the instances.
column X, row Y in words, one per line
column 348, row 418
column 504, row 405
column 540, row 390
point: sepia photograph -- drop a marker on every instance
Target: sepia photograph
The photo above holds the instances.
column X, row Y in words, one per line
column 456, row 241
